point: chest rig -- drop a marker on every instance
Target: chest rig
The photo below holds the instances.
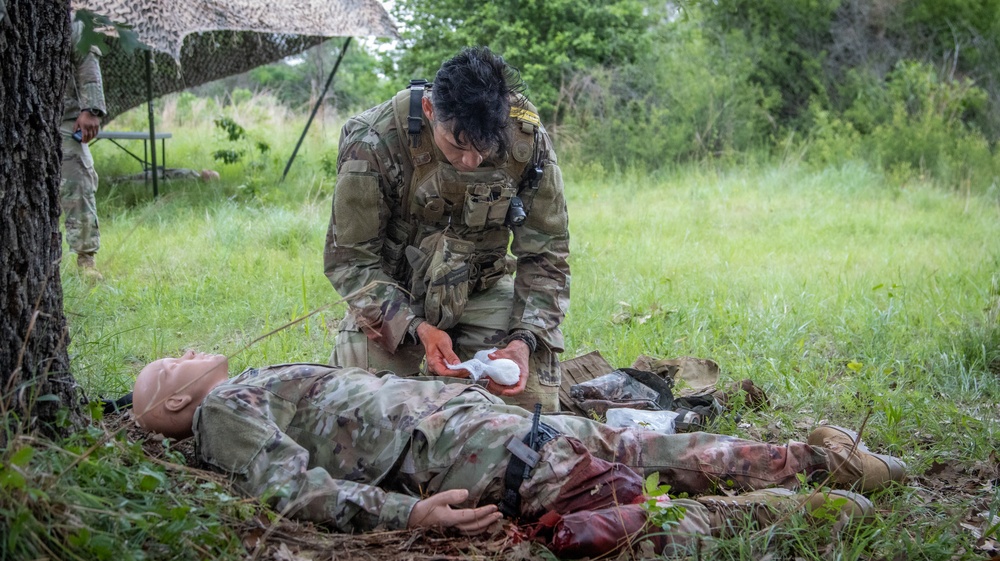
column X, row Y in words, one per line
column 473, row 206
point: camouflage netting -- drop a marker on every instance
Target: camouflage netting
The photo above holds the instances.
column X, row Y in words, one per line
column 223, row 37
column 231, row 53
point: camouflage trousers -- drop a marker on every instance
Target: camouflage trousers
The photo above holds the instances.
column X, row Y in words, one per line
column 77, row 193
column 482, row 326
column 462, row 446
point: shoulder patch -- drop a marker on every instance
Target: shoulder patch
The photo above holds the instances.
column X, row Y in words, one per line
column 522, row 150
column 354, row 166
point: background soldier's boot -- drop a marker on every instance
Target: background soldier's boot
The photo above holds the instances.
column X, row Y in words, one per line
column 765, row 507
column 88, row 267
column 861, row 469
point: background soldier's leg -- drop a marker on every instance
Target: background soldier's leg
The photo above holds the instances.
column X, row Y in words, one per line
column 484, row 324
column 77, row 195
column 353, row 348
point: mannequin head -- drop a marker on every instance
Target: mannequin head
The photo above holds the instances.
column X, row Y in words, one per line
column 169, row 390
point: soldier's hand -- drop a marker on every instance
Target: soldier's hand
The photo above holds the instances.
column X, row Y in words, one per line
column 519, row 352
column 436, row 511
column 87, row 124
column 439, row 352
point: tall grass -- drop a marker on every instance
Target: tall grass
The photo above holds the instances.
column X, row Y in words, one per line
column 844, row 295
column 834, row 290
column 207, row 265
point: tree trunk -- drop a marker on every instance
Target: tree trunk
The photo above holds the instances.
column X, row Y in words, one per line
column 35, row 381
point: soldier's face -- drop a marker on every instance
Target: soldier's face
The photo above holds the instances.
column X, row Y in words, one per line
column 459, row 153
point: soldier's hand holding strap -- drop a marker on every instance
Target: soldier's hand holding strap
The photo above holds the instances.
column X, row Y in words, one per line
column 519, row 352
column 436, row 511
column 439, row 351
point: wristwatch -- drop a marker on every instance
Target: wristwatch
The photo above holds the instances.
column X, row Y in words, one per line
column 94, row 111
column 412, row 328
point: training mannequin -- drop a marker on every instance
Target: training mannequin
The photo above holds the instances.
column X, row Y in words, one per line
column 355, row 451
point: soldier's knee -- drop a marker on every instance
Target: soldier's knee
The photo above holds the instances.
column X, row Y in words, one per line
column 351, row 349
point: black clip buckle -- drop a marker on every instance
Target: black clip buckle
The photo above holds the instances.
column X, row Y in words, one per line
column 414, row 120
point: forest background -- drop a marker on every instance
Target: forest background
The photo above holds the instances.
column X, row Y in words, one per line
column 823, row 172
column 911, row 87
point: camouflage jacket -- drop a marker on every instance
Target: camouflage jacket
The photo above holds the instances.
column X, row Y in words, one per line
column 317, row 440
column 371, row 225
column 84, row 88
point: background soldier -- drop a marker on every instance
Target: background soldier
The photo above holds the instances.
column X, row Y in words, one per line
column 354, row 451
column 84, row 106
column 432, row 187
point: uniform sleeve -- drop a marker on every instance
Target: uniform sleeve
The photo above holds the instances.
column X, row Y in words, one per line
column 268, row 464
column 280, row 475
column 87, row 75
column 541, row 245
column 355, row 239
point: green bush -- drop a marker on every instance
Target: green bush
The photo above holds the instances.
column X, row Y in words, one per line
column 928, row 132
column 240, row 96
column 185, row 106
column 784, row 44
column 549, row 42
column 914, row 125
column 832, row 140
column 690, row 97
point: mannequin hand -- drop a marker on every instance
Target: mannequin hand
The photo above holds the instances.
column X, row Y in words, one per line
column 436, row 511
column 439, row 351
column 518, row 352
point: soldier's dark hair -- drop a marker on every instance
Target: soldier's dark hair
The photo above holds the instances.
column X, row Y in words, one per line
column 472, row 92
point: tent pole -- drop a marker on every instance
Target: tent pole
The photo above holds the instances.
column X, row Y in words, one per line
column 152, row 126
column 316, row 107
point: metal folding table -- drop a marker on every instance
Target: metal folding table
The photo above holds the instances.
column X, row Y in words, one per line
column 147, row 163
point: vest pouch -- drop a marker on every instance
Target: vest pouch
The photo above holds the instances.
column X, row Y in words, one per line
column 492, row 267
column 394, row 249
column 441, row 274
column 477, row 206
column 498, row 208
column 486, row 204
column 392, row 257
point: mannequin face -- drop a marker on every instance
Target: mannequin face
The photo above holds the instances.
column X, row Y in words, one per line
column 460, row 154
column 167, row 391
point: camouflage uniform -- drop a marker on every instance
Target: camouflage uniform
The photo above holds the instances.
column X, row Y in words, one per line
column 392, row 198
column 84, row 90
column 355, row 451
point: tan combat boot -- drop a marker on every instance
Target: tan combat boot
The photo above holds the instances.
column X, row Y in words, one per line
column 87, row 267
column 765, row 507
column 860, row 469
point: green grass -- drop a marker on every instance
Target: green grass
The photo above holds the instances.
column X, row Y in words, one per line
column 833, row 290
column 207, row 265
column 845, row 295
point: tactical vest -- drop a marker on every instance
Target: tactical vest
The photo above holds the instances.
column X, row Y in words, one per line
column 471, row 205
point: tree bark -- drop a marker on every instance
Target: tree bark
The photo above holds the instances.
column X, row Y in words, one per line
column 35, row 379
